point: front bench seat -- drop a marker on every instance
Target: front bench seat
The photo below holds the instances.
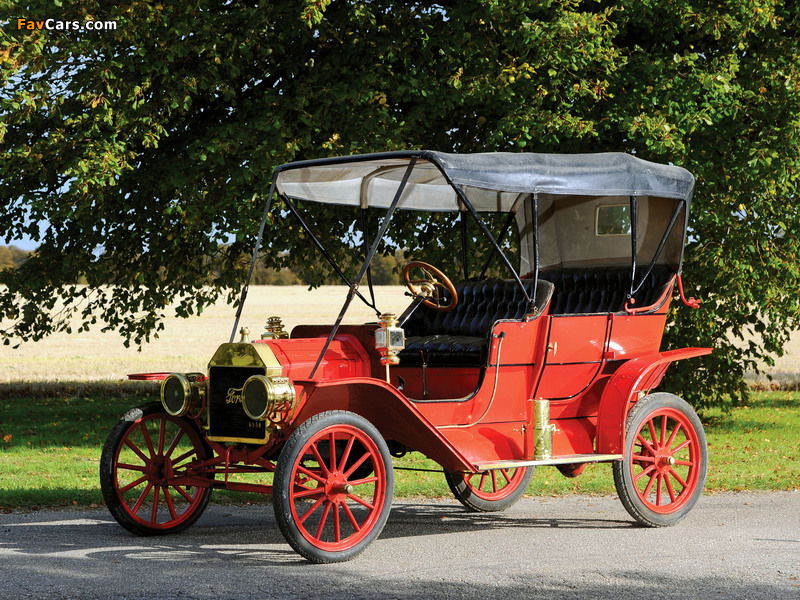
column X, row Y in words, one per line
column 461, row 337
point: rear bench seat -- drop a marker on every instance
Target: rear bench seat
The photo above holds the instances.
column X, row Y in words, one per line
column 603, row 289
column 461, row 337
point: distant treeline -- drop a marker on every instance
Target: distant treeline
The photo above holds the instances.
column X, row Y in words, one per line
column 12, row 257
column 385, row 269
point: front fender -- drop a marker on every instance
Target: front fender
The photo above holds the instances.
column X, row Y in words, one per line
column 384, row 406
column 641, row 374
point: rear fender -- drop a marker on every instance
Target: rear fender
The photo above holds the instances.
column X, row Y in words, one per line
column 385, row 407
column 635, row 377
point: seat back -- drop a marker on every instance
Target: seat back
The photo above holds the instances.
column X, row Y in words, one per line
column 603, row 289
column 480, row 304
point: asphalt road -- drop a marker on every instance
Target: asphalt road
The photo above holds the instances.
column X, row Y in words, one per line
column 730, row 546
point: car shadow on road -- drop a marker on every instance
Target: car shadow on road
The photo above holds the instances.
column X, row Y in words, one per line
column 432, row 519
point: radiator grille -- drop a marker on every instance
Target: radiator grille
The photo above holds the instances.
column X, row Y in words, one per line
column 226, row 417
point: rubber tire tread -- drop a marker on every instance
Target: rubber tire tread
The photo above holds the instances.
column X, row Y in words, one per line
column 108, row 483
column 625, row 489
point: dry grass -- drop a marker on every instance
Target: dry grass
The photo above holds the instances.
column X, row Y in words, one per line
column 187, row 344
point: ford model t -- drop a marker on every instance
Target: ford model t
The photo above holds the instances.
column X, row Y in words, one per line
column 555, row 362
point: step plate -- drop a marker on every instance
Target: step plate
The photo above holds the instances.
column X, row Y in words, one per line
column 555, row 460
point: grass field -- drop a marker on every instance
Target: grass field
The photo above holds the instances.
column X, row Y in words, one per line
column 50, row 451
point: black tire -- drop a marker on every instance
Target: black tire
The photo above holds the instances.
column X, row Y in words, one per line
column 664, row 470
column 490, row 491
column 331, row 505
column 139, row 485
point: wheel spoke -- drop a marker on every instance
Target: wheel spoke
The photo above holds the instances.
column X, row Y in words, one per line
column 346, row 453
column 653, row 436
column 154, row 510
column 659, row 478
column 641, row 458
column 319, row 459
column 337, row 530
column 184, row 456
column 678, row 478
column 137, row 451
column 494, row 481
column 675, row 432
column 361, row 501
column 174, row 445
column 356, row 482
column 183, row 493
column 669, row 488
column 645, row 444
column 142, row 497
column 506, row 476
column 170, row 504
column 332, row 451
column 644, row 472
column 351, row 517
column 685, row 444
column 162, row 432
column 147, row 439
column 356, row 464
column 133, row 484
column 323, row 520
column 649, row 486
column 309, row 493
column 663, row 438
column 311, row 474
column 311, row 510
column 128, row 467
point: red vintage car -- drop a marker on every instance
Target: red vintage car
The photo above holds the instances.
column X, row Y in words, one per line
column 557, row 364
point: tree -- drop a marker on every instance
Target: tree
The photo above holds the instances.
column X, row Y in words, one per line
column 149, row 147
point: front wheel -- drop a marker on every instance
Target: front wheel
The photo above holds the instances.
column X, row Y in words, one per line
column 333, row 487
column 146, row 472
column 490, row 491
column 666, row 460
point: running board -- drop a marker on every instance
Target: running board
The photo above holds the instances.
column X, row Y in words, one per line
column 567, row 459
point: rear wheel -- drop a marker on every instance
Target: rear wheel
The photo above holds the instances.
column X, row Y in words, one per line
column 144, row 468
column 490, row 491
column 666, row 459
column 333, row 487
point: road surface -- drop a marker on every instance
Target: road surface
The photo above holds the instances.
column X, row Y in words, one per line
column 730, row 546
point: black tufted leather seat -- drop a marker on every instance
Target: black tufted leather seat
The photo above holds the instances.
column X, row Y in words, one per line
column 602, row 289
column 461, row 337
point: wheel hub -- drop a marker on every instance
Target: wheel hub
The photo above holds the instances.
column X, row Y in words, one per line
column 337, row 487
column 159, row 471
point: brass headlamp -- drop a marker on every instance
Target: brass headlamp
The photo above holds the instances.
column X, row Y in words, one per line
column 182, row 391
column 263, row 396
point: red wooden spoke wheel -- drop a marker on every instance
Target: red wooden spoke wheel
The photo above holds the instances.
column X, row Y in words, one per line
column 333, row 487
column 489, row 491
column 144, row 467
column 666, row 459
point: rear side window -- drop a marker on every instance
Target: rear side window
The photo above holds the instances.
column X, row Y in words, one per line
column 613, row 219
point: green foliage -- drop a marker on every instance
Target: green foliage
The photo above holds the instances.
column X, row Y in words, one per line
column 50, row 450
column 142, row 147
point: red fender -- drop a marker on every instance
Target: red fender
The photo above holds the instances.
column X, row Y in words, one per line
column 384, row 406
column 637, row 375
